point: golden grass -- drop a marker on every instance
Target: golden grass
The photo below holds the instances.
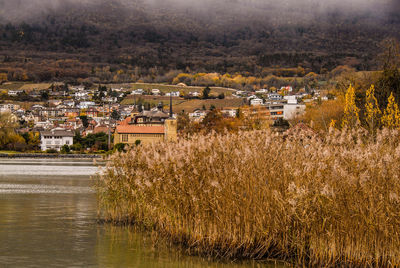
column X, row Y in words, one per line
column 311, row 201
column 168, row 88
column 130, row 99
column 191, row 105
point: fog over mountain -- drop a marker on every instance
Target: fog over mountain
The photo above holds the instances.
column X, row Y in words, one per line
column 201, row 35
column 19, row 10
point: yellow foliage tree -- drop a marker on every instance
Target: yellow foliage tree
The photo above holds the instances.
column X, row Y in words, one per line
column 3, row 77
column 350, row 118
column 332, row 124
column 372, row 111
column 391, row 115
column 324, row 113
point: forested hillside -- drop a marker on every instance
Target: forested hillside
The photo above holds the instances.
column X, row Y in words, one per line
column 156, row 37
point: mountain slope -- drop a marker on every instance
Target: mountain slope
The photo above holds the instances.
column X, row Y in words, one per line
column 228, row 36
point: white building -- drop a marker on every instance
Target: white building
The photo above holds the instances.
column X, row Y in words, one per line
column 256, row 102
column 262, row 91
column 287, row 88
column 82, row 95
column 69, row 103
column 274, row 96
column 155, row 91
column 173, row 94
column 55, row 139
column 293, row 110
column 292, row 99
column 230, row 112
column 194, row 94
column 9, row 107
column 86, row 104
column 79, row 88
column 15, row 92
column 197, row 115
column 138, row 92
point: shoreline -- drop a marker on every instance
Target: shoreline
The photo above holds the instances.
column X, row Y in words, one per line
column 48, row 156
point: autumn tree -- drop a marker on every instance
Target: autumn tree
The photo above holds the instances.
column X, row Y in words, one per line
column 372, row 111
column 206, row 93
column 389, row 80
column 320, row 116
column 391, row 115
column 350, row 118
column 3, row 77
column 8, row 138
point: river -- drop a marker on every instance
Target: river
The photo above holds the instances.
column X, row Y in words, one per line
column 48, row 219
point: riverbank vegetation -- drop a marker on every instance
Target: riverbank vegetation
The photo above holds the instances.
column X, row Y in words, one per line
column 307, row 199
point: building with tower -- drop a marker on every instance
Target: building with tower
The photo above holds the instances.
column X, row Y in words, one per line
column 147, row 127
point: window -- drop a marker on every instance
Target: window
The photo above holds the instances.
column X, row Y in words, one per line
column 67, row 142
column 124, row 137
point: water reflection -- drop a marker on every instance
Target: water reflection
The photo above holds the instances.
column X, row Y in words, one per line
column 48, row 219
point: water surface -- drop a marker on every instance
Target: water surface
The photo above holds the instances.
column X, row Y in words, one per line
column 48, row 219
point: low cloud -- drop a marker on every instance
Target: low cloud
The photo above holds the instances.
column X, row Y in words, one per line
column 23, row 10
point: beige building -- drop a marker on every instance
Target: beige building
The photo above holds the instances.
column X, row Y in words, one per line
column 146, row 127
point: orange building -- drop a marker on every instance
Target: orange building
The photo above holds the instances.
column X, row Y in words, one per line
column 146, row 127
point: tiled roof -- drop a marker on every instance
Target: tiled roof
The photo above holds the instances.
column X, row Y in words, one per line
column 126, row 121
column 132, row 129
column 63, row 133
column 100, row 129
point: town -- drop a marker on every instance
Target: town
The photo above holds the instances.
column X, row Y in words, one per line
column 60, row 117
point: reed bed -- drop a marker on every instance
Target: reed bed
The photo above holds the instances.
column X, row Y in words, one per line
column 331, row 201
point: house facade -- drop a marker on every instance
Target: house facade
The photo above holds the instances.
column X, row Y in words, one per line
column 56, row 139
column 147, row 127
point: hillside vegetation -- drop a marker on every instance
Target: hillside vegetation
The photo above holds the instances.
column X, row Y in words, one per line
column 81, row 40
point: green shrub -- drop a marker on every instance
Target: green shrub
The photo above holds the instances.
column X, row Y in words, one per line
column 51, row 151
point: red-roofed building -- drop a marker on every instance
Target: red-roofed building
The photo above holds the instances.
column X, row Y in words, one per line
column 146, row 128
column 101, row 128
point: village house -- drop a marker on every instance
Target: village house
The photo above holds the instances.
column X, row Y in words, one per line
column 110, row 99
column 81, row 95
column 34, row 94
column 73, row 123
column 292, row 110
column 197, row 115
column 147, row 127
column 50, row 112
column 194, row 94
column 9, row 107
column 56, row 139
column 256, row 101
column 286, row 89
column 276, row 110
column 78, row 88
column 229, row 112
column 102, row 128
column 92, row 112
column 69, row 103
column 173, row 94
column 54, row 103
column 86, row 104
column 137, row 92
column 43, row 124
column 15, row 92
column 72, row 112
column 155, row 91
column 262, row 91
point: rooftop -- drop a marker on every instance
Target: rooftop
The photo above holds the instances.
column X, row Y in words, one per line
column 57, row 132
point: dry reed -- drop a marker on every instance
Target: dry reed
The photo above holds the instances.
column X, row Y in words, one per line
column 308, row 200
